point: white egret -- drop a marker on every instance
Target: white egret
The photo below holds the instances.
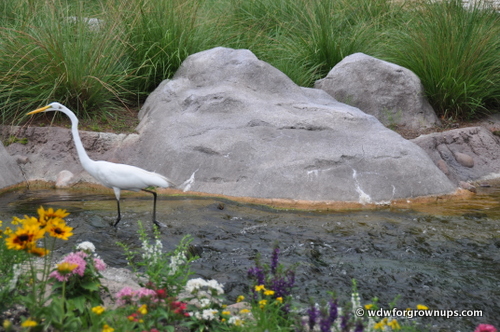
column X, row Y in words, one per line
column 112, row 175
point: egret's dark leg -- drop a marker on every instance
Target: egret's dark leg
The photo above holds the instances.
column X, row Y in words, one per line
column 154, row 206
column 119, row 215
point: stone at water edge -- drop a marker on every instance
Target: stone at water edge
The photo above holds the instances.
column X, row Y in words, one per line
column 10, row 173
column 238, row 126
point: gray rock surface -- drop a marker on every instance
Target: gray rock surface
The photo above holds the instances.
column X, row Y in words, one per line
column 10, row 172
column 50, row 151
column 391, row 93
column 230, row 124
column 465, row 154
column 235, row 125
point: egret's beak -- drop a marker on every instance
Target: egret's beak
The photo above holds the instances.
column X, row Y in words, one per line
column 39, row 110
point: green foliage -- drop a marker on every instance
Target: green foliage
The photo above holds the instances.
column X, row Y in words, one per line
column 455, row 52
column 53, row 55
column 98, row 55
column 10, row 263
column 150, row 261
column 160, row 35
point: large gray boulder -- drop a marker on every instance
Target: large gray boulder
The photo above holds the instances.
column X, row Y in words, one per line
column 234, row 125
column 50, row 154
column 465, row 154
column 10, row 173
column 391, row 93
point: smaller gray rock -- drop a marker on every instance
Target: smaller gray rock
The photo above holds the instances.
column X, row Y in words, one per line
column 10, row 173
column 21, row 160
column 441, row 164
column 467, row 186
column 64, row 178
column 464, row 159
column 391, row 93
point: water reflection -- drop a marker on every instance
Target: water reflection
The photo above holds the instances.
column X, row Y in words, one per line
column 446, row 256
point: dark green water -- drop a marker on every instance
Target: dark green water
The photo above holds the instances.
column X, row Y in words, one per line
column 445, row 256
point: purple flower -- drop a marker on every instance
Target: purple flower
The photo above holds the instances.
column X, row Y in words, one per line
column 313, row 313
column 359, row 327
column 344, row 323
column 274, row 260
column 333, row 311
column 257, row 273
column 325, row 324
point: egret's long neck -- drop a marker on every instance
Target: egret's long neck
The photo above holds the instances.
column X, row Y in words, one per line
column 82, row 154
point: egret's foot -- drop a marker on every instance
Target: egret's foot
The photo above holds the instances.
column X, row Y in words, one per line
column 158, row 224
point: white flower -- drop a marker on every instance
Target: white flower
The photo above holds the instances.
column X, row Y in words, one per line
column 209, row 314
column 175, row 262
column 194, row 285
column 235, row 320
column 86, row 246
column 205, row 303
column 216, row 286
column 356, row 301
column 152, row 252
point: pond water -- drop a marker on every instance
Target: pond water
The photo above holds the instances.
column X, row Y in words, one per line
column 443, row 255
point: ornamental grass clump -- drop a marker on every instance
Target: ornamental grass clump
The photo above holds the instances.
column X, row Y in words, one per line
column 454, row 50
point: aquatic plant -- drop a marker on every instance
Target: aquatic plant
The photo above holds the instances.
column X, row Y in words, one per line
column 167, row 300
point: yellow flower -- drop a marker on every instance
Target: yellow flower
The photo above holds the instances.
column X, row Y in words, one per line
column 368, row 306
column 65, row 267
column 47, row 216
column 279, row 299
column 245, row 311
column 57, row 228
column 7, row 324
column 143, row 309
column 380, row 325
column 29, row 323
column 30, row 221
column 268, row 292
column 16, row 221
column 98, row 310
column 240, row 298
column 262, row 303
column 226, row 312
column 107, row 328
column 40, row 252
column 7, row 231
column 258, row 288
column 24, row 238
column 394, row 325
column 422, row 307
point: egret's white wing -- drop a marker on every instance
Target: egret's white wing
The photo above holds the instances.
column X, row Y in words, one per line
column 127, row 177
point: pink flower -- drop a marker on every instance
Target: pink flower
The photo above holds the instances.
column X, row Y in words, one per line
column 59, row 276
column 485, row 328
column 145, row 294
column 128, row 296
column 76, row 258
column 73, row 259
column 124, row 296
column 99, row 264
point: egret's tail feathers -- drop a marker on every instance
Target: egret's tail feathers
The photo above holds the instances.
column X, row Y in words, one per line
column 186, row 185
